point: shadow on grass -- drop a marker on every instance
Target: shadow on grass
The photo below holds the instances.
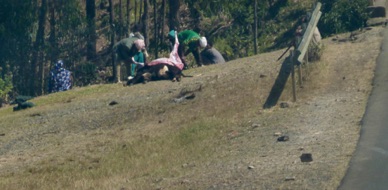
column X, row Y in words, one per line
column 280, row 83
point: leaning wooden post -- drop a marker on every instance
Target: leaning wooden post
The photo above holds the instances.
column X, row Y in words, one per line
column 308, row 34
column 307, row 62
column 302, row 49
column 293, row 75
column 300, row 75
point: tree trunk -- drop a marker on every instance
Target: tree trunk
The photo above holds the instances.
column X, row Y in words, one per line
column 92, row 36
column 128, row 25
column 255, row 29
column 174, row 14
column 38, row 45
column 156, row 29
column 163, row 22
column 141, row 10
column 121, row 21
column 145, row 22
column 53, row 37
column 135, row 11
column 112, row 40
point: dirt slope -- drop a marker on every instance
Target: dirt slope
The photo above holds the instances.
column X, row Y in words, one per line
column 245, row 153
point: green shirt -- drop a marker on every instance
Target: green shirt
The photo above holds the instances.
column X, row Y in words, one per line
column 187, row 36
column 139, row 57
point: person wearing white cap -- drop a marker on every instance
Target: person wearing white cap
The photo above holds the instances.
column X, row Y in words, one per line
column 211, row 55
column 190, row 40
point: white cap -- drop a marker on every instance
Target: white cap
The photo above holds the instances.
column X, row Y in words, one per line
column 203, row 42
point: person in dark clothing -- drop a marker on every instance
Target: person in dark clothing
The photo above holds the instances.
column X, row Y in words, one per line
column 211, row 55
column 60, row 78
column 189, row 42
column 130, row 52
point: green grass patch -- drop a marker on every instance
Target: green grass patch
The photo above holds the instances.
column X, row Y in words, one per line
column 140, row 159
column 85, row 92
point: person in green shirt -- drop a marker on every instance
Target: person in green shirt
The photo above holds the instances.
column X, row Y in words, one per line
column 137, row 63
column 189, row 42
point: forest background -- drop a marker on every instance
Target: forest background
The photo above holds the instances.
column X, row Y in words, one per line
column 35, row 34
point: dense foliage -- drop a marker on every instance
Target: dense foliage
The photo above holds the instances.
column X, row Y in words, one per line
column 67, row 32
column 5, row 86
column 342, row 16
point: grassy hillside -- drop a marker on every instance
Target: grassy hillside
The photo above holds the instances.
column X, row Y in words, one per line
column 205, row 132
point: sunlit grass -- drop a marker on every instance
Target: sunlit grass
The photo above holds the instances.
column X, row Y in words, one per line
column 131, row 149
column 148, row 141
column 140, row 160
column 77, row 93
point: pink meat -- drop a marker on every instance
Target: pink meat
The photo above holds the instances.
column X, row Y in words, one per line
column 173, row 60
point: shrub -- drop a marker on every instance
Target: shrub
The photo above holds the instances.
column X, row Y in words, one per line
column 85, row 74
column 315, row 52
column 5, row 86
column 342, row 16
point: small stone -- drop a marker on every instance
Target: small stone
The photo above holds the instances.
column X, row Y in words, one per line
column 251, row 167
column 255, row 125
column 306, row 157
column 277, row 134
column 190, row 96
column 290, row 178
column 113, row 103
column 284, row 105
column 283, row 138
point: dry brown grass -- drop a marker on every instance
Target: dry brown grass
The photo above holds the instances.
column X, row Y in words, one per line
column 75, row 140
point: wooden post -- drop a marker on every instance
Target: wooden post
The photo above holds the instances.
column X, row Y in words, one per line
column 307, row 61
column 300, row 76
column 289, row 63
column 293, row 75
column 302, row 47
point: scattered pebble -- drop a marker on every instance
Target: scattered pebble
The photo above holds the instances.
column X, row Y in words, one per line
column 306, row 157
column 277, row 134
column 284, row 105
column 283, row 138
column 251, row 167
column 113, row 103
column 290, row 178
